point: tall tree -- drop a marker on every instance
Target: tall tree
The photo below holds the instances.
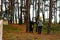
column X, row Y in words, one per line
column 59, row 14
column 55, row 11
column 1, row 6
column 24, row 11
column 11, row 9
column 50, row 17
column 59, row 18
column 33, row 9
column 43, row 11
column 17, row 6
column 38, row 9
column 20, row 18
column 5, row 7
column 18, row 9
column 6, row 10
column 28, row 15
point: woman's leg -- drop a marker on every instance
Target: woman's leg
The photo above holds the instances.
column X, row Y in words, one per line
column 39, row 29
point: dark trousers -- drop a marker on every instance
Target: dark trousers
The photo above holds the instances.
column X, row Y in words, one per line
column 39, row 29
column 31, row 29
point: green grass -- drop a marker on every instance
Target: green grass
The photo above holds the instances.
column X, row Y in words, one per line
column 9, row 29
column 54, row 28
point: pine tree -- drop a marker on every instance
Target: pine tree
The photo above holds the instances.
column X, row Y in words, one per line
column 38, row 9
column 28, row 15
column 43, row 11
column 50, row 17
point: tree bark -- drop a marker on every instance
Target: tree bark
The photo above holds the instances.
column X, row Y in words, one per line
column 9, row 6
column 28, row 15
column 20, row 19
column 43, row 12
column 56, row 11
column 11, row 10
column 1, row 6
column 59, row 16
column 38, row 9
column 50, row 17
column 18, row 9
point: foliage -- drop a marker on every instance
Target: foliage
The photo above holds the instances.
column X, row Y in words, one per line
column 54, row 29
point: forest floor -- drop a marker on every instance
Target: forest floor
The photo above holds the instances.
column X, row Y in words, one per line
column 17, row 32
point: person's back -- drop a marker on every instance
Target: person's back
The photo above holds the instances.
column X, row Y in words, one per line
column 39, row 23
column 39, row 26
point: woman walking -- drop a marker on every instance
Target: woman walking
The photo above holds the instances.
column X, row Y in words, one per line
column 39, row 26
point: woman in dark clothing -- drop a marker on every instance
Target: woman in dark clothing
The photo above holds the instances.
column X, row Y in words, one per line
column 39, row 26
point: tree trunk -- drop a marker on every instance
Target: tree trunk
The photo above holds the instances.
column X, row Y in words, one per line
column 59, row 16
column 20, row 19
column 50, row 17
column 38, row 9
column 8, row 11
column 33, row 10
column 25, row 11
column 5, row 7
column 18, row 9
column 56, row 11
column 28, row 15
column 1, row 6
column 12, row 10
column 43, row 11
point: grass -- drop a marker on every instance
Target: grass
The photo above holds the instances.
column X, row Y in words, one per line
column 9, row 29
column 55, row 28
column 11, row 35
